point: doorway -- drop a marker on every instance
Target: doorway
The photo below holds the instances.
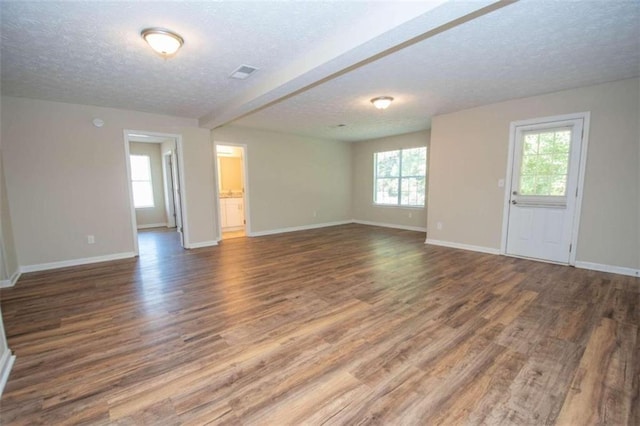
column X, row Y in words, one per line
column 545, row 176
column 232, row 193
column 154, row 171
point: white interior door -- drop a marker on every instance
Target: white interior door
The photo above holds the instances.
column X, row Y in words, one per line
column 544, row 189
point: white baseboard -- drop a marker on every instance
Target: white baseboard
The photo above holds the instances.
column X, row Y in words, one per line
column 450, row 244
column 298, row 228
column 11, row 281
column 6, row 363
column 153, row 225
column 202, row 244
column 391, row 225
column 608, row 268
column 76, row 262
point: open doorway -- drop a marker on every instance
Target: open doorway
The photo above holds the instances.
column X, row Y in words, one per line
column 232, row 194
column 155, row 182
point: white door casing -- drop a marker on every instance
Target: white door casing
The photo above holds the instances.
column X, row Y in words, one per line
column 177, row 168
column 177, row 195
column 544, row 191
column 167, row 170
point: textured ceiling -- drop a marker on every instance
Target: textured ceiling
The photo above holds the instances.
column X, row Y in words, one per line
column 525, row 49
column 91, row 52
column 53, row 50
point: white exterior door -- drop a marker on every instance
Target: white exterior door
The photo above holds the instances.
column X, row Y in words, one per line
column 544, row 189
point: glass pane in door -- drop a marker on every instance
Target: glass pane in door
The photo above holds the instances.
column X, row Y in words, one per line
column 545, row 163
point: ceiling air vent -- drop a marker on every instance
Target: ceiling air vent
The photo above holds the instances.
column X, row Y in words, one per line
column 243, row 71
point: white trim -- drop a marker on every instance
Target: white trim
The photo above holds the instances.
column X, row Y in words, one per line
column 450, row 244
column 6, row 363
column 216, row 190
column 183, row 191
column 169, row 203
column 11, row 281
column 76, row 262
column 134, row 223
column 299, row 228
column 391, row 225
column 585, row 117
column 622, row 270
column 153, row 225
column 203, row 244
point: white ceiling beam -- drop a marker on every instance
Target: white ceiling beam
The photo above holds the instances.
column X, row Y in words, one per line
column 368, row 41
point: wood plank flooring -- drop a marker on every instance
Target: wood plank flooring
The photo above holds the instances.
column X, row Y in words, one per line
column 344, row 325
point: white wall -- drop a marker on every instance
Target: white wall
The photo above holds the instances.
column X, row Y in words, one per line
column 156, row 214
column 362, row 182
column 469, row 154
column 291, row 176
column 66, row 179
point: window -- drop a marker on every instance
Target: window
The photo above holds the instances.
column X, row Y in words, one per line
column 545, row 163
column 141, row 181
column 400, row 177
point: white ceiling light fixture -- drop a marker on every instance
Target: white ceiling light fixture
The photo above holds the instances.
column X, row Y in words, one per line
column 164, row 42
column 382, row 102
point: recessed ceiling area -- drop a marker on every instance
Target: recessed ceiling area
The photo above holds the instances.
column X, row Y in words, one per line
column 319, row 63
column 515, row 52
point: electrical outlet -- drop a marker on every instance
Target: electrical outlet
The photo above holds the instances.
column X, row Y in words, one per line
column 315, row 213
column 410, row 215
column 439, row 225
column 91, row 239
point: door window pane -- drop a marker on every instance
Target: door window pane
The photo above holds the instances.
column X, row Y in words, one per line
column 545, row 163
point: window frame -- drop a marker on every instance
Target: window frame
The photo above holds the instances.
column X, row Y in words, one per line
column 149, row 181
column 400, row 177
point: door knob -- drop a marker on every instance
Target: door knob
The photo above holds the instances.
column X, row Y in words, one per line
column 515, row 192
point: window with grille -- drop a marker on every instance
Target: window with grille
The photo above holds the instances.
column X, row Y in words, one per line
column 400, row 177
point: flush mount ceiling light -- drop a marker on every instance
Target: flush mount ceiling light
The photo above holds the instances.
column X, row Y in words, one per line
column 165, row 42
column 382, row 102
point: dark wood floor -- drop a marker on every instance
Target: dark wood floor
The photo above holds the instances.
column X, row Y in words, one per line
column 342, row 325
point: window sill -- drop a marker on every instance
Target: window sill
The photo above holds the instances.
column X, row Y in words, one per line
column 395, row 206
